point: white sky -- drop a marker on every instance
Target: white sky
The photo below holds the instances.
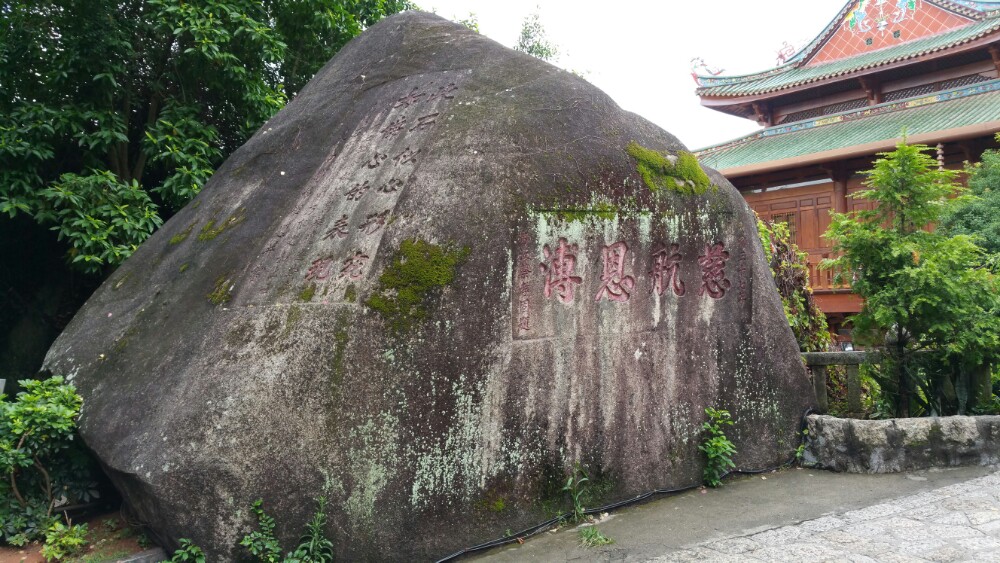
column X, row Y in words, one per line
column 639, row 52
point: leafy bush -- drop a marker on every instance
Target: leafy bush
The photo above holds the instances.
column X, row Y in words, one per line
column 188, row 553
column 41, row 464
column 314, row 547
column 64, row 540
column 718, row 449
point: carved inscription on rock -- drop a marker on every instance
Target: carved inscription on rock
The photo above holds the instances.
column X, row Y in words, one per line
column 665, row 272
column 615, row 285
column 713, row 271
column 560, row 271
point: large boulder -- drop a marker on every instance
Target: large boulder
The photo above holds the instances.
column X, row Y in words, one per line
column 442, row 276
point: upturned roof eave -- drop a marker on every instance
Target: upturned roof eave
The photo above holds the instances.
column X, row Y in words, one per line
column 958, row 133
column 719, row 101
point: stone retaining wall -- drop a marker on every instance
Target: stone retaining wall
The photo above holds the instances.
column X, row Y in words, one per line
column 902, row 444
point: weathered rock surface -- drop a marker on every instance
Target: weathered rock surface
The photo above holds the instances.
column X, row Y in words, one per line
column 901, row 444
column 425, row 289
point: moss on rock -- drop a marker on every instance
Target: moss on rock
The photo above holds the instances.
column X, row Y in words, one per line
column 680, row 173
column 222, row 292
column 417, row 272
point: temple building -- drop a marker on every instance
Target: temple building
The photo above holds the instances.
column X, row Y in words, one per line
column 926, row 67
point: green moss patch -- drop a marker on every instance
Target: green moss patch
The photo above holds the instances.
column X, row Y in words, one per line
column 307, row 293
column 680, row 173
column 222, row 292
column 417, row 273
column 211, row 230
column 181, row 236
column 183, row 267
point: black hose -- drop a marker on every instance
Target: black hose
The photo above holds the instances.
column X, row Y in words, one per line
column 537, row 529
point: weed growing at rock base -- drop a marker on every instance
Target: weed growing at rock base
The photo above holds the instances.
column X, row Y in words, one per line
column 719, row 450
column 575, row 487
column 314, row 547
column 188, row 553
column 591, row 536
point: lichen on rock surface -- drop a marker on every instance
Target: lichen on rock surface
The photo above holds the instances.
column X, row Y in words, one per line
column 436, row 284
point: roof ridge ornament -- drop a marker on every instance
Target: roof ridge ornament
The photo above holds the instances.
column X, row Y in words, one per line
column 699, row 69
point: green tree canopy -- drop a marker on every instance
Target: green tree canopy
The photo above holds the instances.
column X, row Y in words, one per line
column 923, row 289
column 980, row 218
column 114, row 114
column 534, row 41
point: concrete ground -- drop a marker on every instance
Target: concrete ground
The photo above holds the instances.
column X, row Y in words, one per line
column 798, row 515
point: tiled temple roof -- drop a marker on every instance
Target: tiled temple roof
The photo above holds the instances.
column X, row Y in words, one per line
column 948, row 110
column 797, row 71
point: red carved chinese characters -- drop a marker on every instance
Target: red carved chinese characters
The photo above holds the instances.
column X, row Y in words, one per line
column 406, row 157
column 666, row 263
column 354, row 266
column 394, row 128
column 616, row 285
column 446, row 92
column 713, row 271
column 523, row 283
column 355, row 193
column 376, row 160
column 374, row 222
column 391, row 186
column 410, row 99
column 425, row 121
column 319, row 270
column 338, row 230
column 560, row 270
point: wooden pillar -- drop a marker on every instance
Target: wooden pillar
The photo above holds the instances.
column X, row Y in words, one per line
column 763, row 113
column 995, row 53
column 873, row 90
column 839, row 176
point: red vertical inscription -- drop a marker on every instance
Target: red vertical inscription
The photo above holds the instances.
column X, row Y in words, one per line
column 559, row 271
column 666, row 263
column 616, row 285
column 713, row 271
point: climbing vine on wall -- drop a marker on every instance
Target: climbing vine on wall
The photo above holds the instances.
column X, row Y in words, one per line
column 791, row 275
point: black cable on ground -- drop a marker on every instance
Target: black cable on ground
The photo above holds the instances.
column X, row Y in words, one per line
column 539, row 528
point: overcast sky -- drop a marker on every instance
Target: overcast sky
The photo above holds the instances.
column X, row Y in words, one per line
column 639, row 52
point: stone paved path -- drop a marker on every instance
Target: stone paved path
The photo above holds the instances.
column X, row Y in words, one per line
column 959, row 522
column 798, row 515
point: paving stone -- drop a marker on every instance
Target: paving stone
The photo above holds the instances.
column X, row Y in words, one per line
column 778, row 536
column 822, row 524
column 983, row 516
column 872, row 512
column 734, row 546
column 978, row 543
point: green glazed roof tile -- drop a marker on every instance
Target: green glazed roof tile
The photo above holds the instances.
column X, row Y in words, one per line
column 941, row 111
column 793, row 75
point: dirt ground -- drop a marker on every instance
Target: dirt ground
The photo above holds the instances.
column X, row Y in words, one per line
column 110, row 539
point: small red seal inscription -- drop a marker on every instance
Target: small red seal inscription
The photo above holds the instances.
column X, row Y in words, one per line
column 713, row 271
column 560, row 270
column 666, row 263
column 616, row 285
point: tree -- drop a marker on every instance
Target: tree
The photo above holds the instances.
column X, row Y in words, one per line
column 533, row 40
column 980, row 218
column 924, row 290
column 114, row 114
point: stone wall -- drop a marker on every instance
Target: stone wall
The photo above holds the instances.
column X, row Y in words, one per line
column 902, row 444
